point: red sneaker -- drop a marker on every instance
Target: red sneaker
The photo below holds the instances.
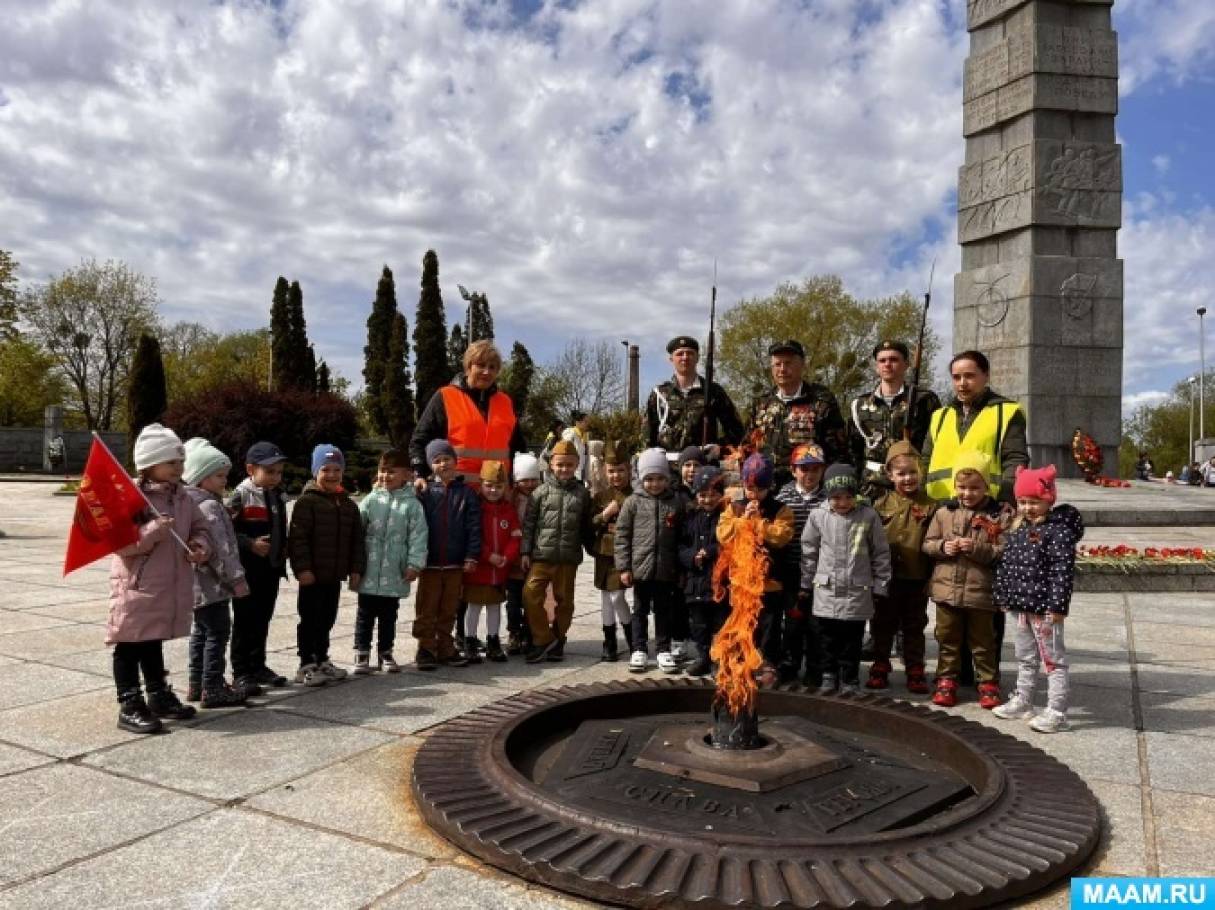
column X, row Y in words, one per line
column 989, row 695
column 879, row 675
column 917, row 682
column 946, row 695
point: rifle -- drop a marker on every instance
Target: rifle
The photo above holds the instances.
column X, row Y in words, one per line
column 919, row 355
column 707, row 426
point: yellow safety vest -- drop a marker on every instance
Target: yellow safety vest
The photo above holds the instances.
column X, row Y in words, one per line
column 984, row 435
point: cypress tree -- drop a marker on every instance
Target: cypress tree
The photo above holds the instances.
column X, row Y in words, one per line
column 301, row 372
column 481, row 321
column 430, row 334
column 457, row 344
column 280, row 336
column 398, row 394
column 380, row 325
column 322, row 378
column 147, row 396
column 517, row 376
column 309, row 378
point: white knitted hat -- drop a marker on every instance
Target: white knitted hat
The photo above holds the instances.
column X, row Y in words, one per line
column 526, row 467
column 653, row 461
column 203, row 460
column 157, row 444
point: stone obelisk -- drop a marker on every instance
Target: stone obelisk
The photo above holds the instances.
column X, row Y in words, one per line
column 1039, row 207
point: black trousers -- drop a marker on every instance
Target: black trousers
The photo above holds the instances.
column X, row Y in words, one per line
column 132, row 656
column 375, row 608
column 251, row 621
column 802, row 641
column 966, row 676
column 706, row 619
column 318, row 606
column 768, row 628
column 681, row 621
column 208, row 642
column 516, row 621
column 652, row 597
column 842, row 645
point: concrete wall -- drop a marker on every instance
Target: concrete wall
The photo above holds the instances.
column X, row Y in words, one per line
column 21, row 449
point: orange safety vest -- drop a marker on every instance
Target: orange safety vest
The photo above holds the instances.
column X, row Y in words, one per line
column 474, row 438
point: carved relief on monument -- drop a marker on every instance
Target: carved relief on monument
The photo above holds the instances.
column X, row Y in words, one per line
column 1044, row 49
column 981, row 12
column 1051, row 91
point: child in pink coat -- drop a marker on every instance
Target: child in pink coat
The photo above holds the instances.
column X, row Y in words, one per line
column 152, row 584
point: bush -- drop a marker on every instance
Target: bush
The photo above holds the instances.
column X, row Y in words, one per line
column 235, row 416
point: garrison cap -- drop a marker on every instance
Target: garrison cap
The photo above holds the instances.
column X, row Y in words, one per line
column 683, row 341
column 889, row 345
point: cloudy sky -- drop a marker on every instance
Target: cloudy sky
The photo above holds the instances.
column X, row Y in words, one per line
column 583, row 163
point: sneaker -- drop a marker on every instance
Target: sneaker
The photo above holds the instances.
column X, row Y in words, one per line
column 679, row 652
column 387, row 663
column 667, row 662
column 334, row 673
column 1016, row 708
column 830, row 683
column 879, row 675
column 493, row 649
column 540, row 653
column 270, row 678
column 362, row 663
column 989, row 695
column 850, row 689
column 426, row 660
column 135, row 716
column 917, row 682
column 223, row 697
column 1050, row 721
column 310, row 675
column 249, row 686
column 638, row 662
column 946, row 695
column 193, row 691
column 165, row 703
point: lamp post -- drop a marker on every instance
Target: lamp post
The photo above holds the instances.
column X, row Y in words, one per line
column 1190, row 458
column 625, row 342
column 1202, row 373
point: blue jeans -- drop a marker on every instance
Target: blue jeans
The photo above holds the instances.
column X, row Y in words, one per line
column 208, row 642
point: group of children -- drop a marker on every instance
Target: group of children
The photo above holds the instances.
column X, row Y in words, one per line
column 211, row 567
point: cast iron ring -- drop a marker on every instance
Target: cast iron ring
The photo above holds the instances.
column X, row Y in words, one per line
column 1032, row 823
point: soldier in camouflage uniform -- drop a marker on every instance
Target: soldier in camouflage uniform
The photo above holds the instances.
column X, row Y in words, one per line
column 878, row 418
column 675, row 410
column 795, row 412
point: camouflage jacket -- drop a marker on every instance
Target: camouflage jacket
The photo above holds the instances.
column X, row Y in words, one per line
column 874, row 426
column 813, row 415
column 674, row 419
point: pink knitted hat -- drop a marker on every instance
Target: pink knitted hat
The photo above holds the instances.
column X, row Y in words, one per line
column 1036, row 483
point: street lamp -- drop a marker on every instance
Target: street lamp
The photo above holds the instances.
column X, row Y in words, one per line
column 1193, row 380
column 625, row 342
column 1202, row 374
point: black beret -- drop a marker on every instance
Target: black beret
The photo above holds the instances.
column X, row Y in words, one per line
column 683, row 341
column 892, row 346
column 787, row 347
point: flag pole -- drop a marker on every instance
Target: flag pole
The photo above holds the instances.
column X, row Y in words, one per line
column 185, row 546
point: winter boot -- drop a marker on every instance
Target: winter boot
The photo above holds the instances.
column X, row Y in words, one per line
column 917, row 682
column 514, row 643
column 164, row 703
column 472, row 649
column 879, row 675
column 611, row 648
column 223, row 697
column 946, row 695
column 557, row 653
column 989, row 695
column 493, row 649
column 134, row 716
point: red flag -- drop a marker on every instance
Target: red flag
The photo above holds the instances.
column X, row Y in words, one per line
column 106, row 507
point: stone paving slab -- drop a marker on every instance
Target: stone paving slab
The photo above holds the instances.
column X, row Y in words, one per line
column 454, row 888
column 14, row 759
column 40, row 683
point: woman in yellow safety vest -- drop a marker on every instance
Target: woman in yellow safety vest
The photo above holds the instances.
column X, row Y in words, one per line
column 979, row 420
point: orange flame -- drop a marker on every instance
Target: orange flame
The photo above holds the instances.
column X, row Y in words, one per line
column 744, row 560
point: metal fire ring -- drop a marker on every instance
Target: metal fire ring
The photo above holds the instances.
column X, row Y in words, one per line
column 1030, row 822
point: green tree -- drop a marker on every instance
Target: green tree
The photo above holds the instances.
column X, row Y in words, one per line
column 308, row 379
column 90, row 319
column 29, row 381
column 147, row 397
column 302, row 359
column 322, row 378
column 543, row 406
column 481, row 320
column 1163, row 430
column 587, row 376
column 457, row 344
column 196, row 358
column 376, row 352
column 398, row 391
column 837, row 330
column 280, row 336
column 430, row 334
column 517, row 376
column 8, row 295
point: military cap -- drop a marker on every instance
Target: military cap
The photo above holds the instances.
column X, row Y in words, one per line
column 563, row 447
column 614, row 452
column 789, row 346
column 888, row 345
column 683, row 341
column 493, row 472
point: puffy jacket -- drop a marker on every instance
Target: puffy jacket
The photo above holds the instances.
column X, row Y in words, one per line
column 151, row 582
column 326, row 536
column 845, row 561
column 558, row 523
column 905, row 521
column 453, row 522
column 964, row 581
column 222, row 575
column 258, row 512
column 1038, row 565
column 500, row 534
column 699, row 532
column 777, row 521
column 394, row 532
column 647, row 536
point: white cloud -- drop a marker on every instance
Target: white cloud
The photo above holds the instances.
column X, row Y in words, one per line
column 1170, row 39
column 1130, row 403
column 1161, row 163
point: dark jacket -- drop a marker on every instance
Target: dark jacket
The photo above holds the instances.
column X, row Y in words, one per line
column 326, row 536
column 1014, row 449
column 874, row 426
column 433, row 425
column 558, row 523
column 257, row 512
column 1038, row 566
column 675, row 419
column 453, row 523
column 811, row 416
column 647, row 536
column 800, row 503
column 699, row 532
